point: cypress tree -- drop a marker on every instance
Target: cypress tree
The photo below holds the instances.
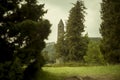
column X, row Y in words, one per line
column 76, row 43
column 110, row 30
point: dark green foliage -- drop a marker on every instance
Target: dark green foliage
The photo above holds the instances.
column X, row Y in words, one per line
column 33, row 34
column 110, row 30
column 22, row 34
column 76, row 43
column 11, row 70
column 32, row 71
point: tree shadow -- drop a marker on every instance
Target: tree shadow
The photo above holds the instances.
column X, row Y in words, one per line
column 43, row 75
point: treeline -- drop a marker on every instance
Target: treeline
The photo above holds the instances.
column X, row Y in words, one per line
column 93, row 55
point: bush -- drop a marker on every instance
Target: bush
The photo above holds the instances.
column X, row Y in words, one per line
column 94, row 56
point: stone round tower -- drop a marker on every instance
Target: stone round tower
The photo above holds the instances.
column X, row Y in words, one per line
column 60, row 30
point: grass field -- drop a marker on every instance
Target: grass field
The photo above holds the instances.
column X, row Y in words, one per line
column 96, row 72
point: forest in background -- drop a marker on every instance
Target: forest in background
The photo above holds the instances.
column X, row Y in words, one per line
column 49, row 52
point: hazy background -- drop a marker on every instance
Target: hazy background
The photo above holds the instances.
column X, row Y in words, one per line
column 59, row 9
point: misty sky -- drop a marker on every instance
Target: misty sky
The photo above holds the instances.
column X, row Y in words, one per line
column 59, row 9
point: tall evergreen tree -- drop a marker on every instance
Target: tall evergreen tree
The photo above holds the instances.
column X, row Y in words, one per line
column 110, row 30
column 76, row 43
column 22, row 34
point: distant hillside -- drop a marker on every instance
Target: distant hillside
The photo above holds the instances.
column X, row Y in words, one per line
column 95, row 39
column 50, row 47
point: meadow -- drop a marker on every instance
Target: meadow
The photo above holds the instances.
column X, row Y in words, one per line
column 111, row 72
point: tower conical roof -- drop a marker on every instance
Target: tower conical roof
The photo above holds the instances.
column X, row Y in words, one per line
column 61, row 22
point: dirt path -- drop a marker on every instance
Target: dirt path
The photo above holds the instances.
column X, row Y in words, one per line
column 79, row 78
column 91, row 78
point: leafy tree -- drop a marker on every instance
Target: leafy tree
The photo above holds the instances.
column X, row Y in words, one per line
column 22, row 34
column 110, row 30
column 76, row 43
column 94, row 56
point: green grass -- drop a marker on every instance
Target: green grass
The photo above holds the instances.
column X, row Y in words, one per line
column 98, row 72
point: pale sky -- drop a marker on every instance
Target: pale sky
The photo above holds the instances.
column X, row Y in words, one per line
column 59, row 9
